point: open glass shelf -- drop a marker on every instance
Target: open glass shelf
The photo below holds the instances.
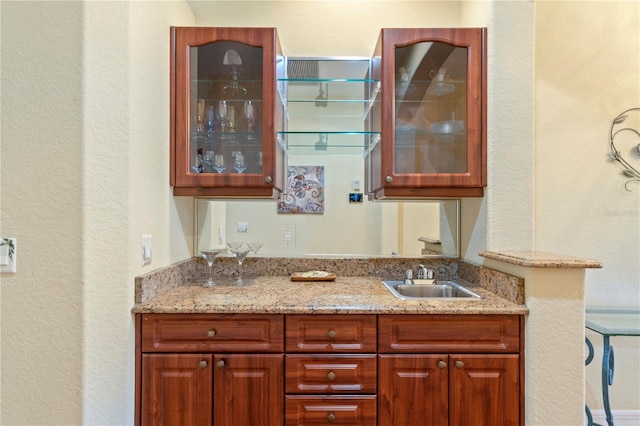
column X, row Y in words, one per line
column 328, row 143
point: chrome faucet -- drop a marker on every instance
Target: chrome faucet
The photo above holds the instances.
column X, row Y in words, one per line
column 424, row 273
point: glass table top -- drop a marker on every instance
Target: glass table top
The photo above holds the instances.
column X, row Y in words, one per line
column 613, row 321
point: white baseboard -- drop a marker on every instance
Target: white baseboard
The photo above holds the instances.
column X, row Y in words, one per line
column 620, row 417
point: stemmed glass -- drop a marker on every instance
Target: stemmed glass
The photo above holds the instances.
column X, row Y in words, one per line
column 210, row 255
column 249, row 112
column 223, row 114
column 239, row 163
column 218, row 163
column 238, row 250
column 254, row 246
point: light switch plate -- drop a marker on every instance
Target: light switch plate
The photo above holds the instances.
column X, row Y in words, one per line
column 8, row 265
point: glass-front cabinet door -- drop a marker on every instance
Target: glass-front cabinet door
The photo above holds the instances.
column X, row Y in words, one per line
column 226, row 112
column 432, row 114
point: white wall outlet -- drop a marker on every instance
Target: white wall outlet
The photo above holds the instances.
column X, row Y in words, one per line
column 355, row 185
column 146, row 250
column 8, row 263
column 243, row 227
column 288, row 233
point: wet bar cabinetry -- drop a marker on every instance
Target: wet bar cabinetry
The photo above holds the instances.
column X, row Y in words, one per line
column 226, row 112
column 430, row 112
column 318, row 369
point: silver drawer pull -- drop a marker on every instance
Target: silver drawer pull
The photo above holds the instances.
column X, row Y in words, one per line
column 220, row 364
column 459, row 364
column 331, row 376
column 202, row 364
column 331, row 418
column 211, row 334
column 442, row 364
column 331, row 334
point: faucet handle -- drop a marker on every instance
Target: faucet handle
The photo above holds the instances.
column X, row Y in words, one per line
column 408, row 277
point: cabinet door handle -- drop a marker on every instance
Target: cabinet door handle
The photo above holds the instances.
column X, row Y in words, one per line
column 331, row 334
column 388, row 179
column 331, row 376
column 268, row 179
column 442, row 364
column 459, row 364
column 211, row 334
column 202, row 364
column 331, row 418
column 220, row 364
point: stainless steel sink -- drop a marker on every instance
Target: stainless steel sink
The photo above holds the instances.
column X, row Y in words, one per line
column 439, row 290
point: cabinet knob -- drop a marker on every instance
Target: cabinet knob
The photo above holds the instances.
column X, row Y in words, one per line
column 331, row 334
column 202, row 364
column 268, row 179
column 331, row 376
column 331, row 418
column 442, row 364
column 459, row 364
column 388, row 179
column 211, row 333
column 220, row 364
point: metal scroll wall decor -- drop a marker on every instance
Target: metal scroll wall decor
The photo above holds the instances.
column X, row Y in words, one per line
column 616, row 128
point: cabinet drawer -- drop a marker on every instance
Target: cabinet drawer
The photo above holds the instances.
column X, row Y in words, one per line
column 331, row 333
column 330, row 373
column 330, row 410
column 212, row 333
column 449, row 333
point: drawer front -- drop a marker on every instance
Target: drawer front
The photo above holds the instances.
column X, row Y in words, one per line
column 321, row 374
column 449, row 333
column 212, row 333
column 331, row 333
column 330, row 410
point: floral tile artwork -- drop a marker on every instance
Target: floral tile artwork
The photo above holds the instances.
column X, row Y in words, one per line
column 305, row 190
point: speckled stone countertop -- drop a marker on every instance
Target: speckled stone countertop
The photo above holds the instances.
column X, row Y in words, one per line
column 345, row 295
column 538, row 259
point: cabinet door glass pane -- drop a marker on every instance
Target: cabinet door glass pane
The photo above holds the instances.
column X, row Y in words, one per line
column 431, row 108
column 225, row 105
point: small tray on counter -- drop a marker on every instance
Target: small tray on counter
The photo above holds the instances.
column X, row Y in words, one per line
column 313, row 276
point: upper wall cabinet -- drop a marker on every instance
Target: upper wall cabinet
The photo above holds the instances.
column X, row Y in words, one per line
column 430, row 112
column 226, row 112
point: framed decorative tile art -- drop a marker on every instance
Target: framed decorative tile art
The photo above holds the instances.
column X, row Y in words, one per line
column 304, row 192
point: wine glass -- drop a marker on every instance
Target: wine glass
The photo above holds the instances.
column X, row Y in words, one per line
column 218, row 163
column 254, row 246
column 223, row 114
column 209, row 255
column 240, row 252
column 249, row 112
column 239, row 162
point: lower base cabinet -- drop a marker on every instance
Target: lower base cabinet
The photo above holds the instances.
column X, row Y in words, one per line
column 439, row 390
column 295, row 370
column 229, row 390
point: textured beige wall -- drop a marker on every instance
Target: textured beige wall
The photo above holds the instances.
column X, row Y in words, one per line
column 42, row 207
column 588, row 72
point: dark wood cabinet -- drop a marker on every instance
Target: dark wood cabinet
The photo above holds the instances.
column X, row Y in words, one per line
column 176, row 389
column 271, row 369
column 421, row 382
column 430, row 112
column 226, row 112
column 201, row 369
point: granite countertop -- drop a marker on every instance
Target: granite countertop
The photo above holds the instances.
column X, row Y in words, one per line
column 345, row 295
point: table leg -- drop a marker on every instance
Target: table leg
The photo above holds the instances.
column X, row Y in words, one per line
column 587, row 362
column 607, row 377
